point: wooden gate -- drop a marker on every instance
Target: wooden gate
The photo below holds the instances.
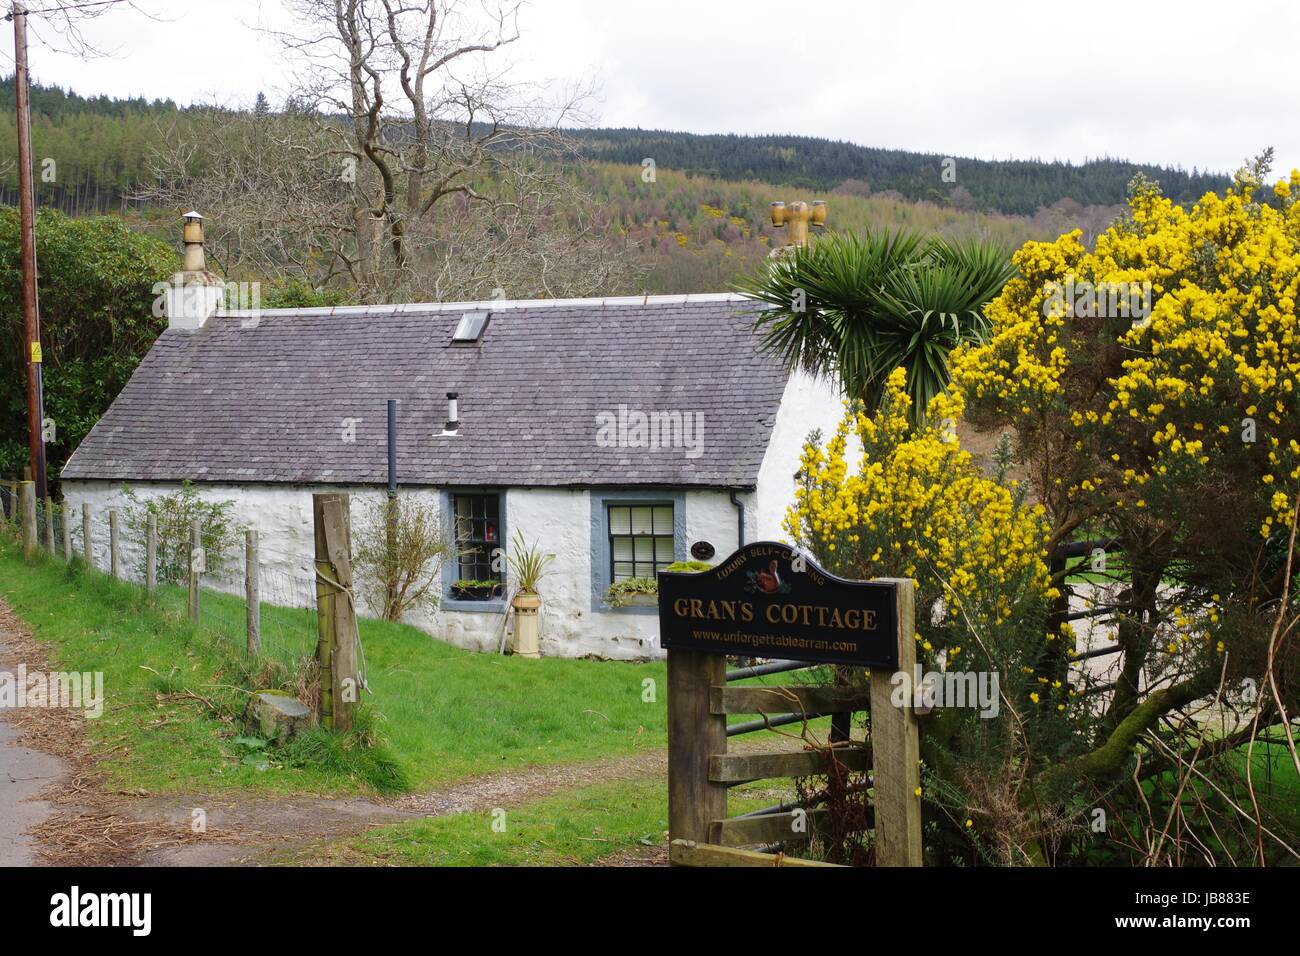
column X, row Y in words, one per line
column 702, row 693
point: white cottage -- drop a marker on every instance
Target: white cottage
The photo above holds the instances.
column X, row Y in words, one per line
column 619, row 433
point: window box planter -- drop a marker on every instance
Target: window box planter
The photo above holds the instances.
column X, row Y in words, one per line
column 476, row 590
column 644, row 592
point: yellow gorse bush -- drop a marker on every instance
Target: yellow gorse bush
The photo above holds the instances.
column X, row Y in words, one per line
column 916, row 505
column 1166, row 422
column 1202, row 386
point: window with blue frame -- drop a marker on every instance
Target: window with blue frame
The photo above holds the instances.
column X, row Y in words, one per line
column 476, row 519
column 640, row 539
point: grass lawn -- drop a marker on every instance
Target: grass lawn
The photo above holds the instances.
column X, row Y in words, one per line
column 441, row 713
column 176, row 694
column 563, row 830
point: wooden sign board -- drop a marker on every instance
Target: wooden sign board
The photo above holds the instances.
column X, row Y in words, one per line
column 767, row 600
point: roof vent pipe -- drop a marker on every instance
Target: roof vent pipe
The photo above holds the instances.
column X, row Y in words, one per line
column 453, row 411
column 392, row 448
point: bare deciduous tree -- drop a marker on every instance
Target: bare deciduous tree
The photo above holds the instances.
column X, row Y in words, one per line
column 399, row 549
column 406, row 163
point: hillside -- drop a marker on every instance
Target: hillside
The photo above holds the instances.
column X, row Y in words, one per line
column 1015, row 187
column 696, row 233
column 700, row 222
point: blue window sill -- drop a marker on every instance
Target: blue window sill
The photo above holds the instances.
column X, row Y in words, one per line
column 495, row 606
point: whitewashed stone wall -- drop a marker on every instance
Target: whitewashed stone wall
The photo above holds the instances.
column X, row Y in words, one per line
column 808, row 403
column 558, row 519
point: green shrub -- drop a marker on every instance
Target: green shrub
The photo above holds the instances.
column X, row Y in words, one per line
column 176, row 513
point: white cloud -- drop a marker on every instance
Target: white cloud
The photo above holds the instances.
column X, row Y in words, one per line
column 1170, row 83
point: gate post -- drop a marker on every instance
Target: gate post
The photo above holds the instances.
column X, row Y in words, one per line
column 336, row 652
column 115, row 567
column 27, row 497
column 151, row 553
column 896, row 747
column 694, row 735
column 67, row 532
column 87, row 546
column 252, row 593
column 196, row 556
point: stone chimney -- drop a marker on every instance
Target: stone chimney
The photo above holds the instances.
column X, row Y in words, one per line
column 195, row 294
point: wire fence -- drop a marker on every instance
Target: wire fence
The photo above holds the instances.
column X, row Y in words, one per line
column 9, row 501
column 284, row 626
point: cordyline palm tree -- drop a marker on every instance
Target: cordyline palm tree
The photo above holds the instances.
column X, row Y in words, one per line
column 859, row 307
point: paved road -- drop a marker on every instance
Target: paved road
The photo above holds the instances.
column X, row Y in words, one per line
column 23, row 774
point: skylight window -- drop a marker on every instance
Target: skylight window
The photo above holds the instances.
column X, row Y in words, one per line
column 471, row 326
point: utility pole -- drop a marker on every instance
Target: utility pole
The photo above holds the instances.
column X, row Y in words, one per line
column 27, row 212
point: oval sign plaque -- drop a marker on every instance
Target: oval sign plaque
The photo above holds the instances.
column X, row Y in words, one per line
column 767, row 601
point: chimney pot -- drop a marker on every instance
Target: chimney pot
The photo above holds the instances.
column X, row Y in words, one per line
column 195, row 294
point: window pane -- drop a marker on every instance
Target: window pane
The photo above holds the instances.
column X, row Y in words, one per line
column 620, row 521
column 642, row 522
column 645, row 549
column 663, row 520
column 622, row 549
column 664, row 550
column 622, row 570
column 477, row 535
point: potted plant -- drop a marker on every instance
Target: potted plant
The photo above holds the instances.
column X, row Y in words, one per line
column 475, row 590
column 529, row 563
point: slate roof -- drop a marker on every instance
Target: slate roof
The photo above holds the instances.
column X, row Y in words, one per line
column 266, row 400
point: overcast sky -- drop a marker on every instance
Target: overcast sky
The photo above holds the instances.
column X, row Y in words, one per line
column 1194, row 83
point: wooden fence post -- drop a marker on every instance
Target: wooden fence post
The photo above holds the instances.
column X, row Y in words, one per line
column 694, row 735
column 49, row 525
column 67, row 532
column 253, row 593
column 151, row 553
column 88, row 551
column 896, row 747
column 196, row 555
column 113, row 563
column 337, row 651
column 27, row 496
